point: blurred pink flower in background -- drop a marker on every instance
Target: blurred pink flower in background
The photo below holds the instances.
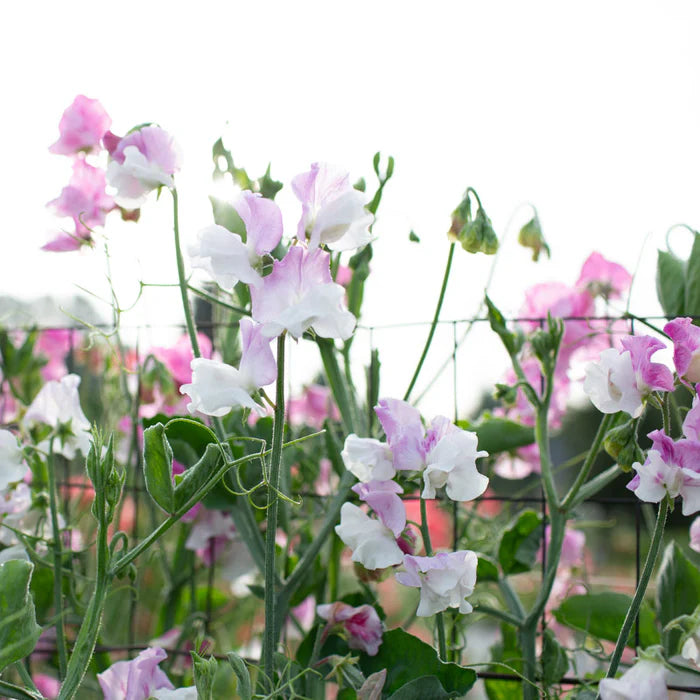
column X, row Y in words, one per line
column 82, row 127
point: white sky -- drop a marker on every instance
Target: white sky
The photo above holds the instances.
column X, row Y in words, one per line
column 589, row 110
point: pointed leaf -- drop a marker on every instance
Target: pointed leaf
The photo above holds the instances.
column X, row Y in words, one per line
column 196, row 476
column 158, row 467
column 517, row 551
column 670, row 284
column 244, row 689
column 19, row 631
column 692, row 280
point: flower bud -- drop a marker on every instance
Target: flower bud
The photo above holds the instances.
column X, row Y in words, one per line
column 621, row 444
column 408, row 541
column 476, row 233
column 372, row 575
column 530, row 236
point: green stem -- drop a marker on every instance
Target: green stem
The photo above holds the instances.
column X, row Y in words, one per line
column 439, row 622
column 215, row 300
column 182, row 279
column 433, row 325
column 270, row 635
column 633, row 611
column 500, row 614
column 596, row 484
column 90, row 628
column 26, row 677
column 57, row 550
column 511, row 599
column 590, row 460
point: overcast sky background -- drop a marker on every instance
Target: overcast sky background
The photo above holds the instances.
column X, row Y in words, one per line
column 590, row 111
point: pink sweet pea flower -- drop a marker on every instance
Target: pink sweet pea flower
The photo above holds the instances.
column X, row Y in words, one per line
column 81, row 127
column 178, row 358
column 686, row 347
column 671, row 468
column 382, row 497
column 650, row 376
column 225, row 256
column 362, row 625
column 600, row 277
column 691, row 423
column 445, row 580
column 84, row 198
column 217, row 387
column 136, row 679
column 333, row 211
column 142, row 161
column 48, row 686
column 373, row 544
column 572, row 549
column 56, row 343
column 404, row 432
column 695, row 535
column 300, row 294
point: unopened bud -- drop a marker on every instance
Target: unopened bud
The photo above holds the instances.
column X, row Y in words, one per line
column 530, row 236
column 408, row 541
column 621, row 444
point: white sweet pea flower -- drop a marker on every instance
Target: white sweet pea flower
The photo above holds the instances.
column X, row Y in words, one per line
column 217, row 387
column 373, row 544
column 444, row 580
column 646, row 680
column 368, row 459
column 611, row 384
column 189, row 693
column 58, row 404
column 333, row 211
column 452, row 464
column 12, row 465
column 225, row 256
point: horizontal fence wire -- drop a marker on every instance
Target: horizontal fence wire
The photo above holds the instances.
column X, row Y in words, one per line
column 135, row 486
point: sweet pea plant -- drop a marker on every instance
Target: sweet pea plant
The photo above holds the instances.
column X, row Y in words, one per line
column 303, row 505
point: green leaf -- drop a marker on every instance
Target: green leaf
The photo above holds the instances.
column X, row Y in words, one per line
column 497, row 322
column 677, row 592
column 407, row 658
column 499, row 434
column 670, row 284
column 423, row 688
column 520, row 542
column 225, row 215
column 692, row 280
column 602, row 614
column 244, row 689
column 372, row 687
column 196, row 476
column 158, row 467
column 554, row 661
column 19, row 632
column 486, row 569
column 413, row 237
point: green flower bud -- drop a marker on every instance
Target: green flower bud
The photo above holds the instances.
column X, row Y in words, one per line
column 621, row 444
column 530, row 236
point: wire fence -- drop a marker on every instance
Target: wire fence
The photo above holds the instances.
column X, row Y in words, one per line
column 197, row 578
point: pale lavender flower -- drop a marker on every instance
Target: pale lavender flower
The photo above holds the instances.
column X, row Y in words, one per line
column 225, row 256
column 646, row 680
column 445, row 580
column 382, row 497
column 368, row 459
column 300, row 294
column 136, row 679
column 333, row 211
column 217, row 387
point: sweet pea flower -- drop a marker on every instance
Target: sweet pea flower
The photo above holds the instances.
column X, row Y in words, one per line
column 142, row 161
column 620, row 381
column 361, row 625
column 445, row 580
column 225, row 256
column 333, row 211
column 368, row 459
column 686, row 347
column 382, row 497
column 572, row 548
column 695, row 535
column 646, row 680
column 452, row 464
column 189, row 693
column 671, row 468
column 137, row 679
column 604, row 278
column 313, row 407
column 373, row 544
column 48, row 686
column 178, row 358
column 444, row 453
column 81, row 127
column 691, row 423
column 217, row 387
column 300, row 294
column 55, row 344
column 12, row 465
column 58, row 404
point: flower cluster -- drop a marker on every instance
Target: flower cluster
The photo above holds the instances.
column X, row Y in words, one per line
column 145, row 159
column 443, row 456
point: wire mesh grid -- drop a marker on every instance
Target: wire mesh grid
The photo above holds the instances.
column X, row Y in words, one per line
column 135, row 490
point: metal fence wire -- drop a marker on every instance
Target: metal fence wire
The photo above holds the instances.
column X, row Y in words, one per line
column 142, row 515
